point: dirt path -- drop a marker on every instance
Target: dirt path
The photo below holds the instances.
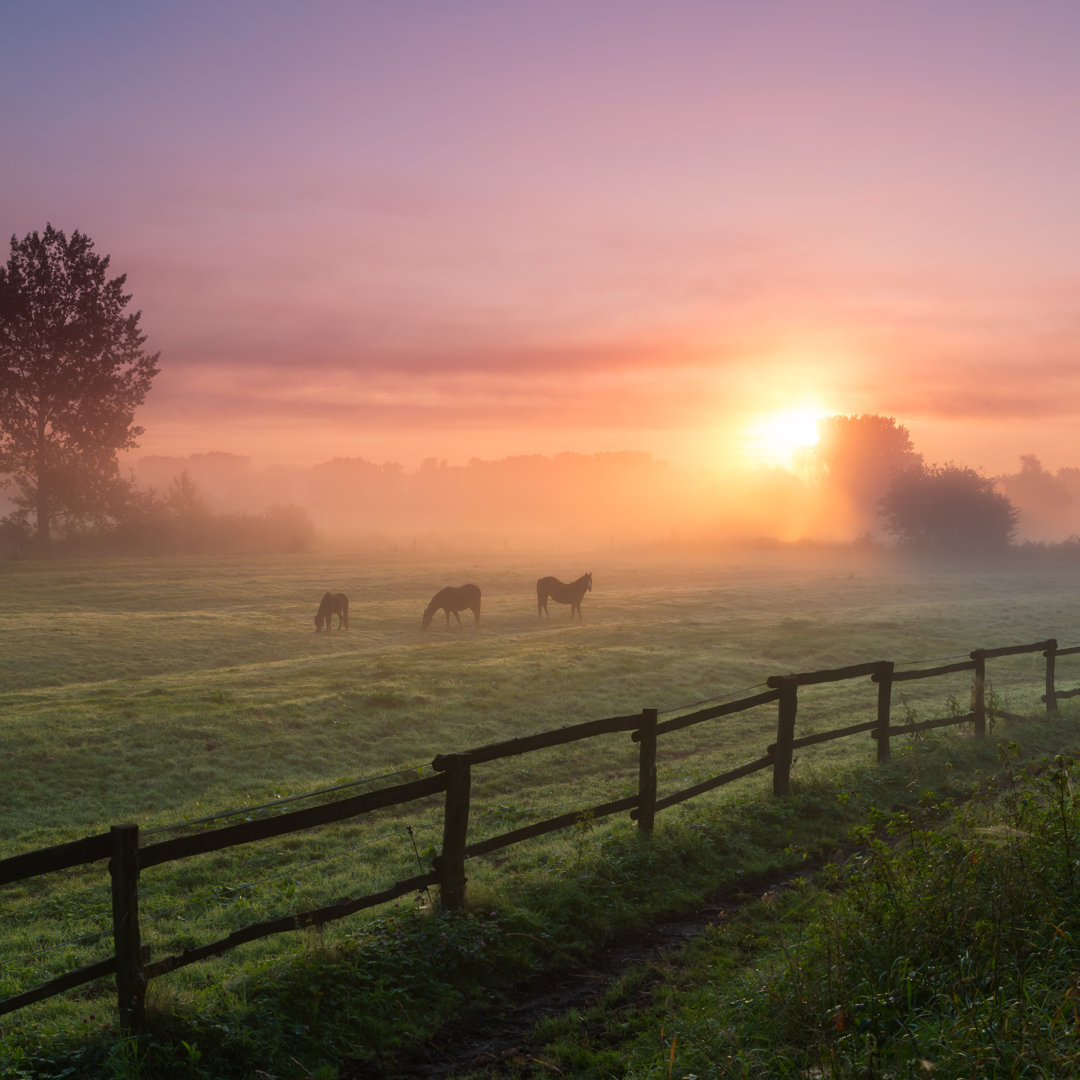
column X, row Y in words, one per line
column 489, row 1035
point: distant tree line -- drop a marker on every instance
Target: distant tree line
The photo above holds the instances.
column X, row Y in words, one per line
column 179, row 521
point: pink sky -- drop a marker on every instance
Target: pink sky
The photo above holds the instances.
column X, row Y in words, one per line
column 394, row 231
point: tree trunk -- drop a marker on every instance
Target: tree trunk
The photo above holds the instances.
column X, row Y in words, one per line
column 42, row 516
column 41, row 495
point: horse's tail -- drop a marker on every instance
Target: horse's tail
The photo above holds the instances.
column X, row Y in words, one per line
column 542, row 594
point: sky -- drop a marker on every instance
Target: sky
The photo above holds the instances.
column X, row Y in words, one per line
column 414, row 229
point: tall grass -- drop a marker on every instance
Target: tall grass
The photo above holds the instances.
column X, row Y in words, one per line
column 946, row 947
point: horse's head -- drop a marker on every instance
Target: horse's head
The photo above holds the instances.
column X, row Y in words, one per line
column 318, row 623
column 588, row 581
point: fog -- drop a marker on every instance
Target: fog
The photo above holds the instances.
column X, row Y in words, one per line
column 605, row 498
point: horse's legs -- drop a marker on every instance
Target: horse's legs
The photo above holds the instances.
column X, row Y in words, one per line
column 476, row 614
column 456, row 616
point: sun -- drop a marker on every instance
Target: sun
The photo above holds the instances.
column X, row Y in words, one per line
column 777, row 438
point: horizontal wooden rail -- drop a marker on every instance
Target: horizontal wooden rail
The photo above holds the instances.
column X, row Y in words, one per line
column 539, row 828
column 1012, row 650
column 61, row 857
column 78, row 977
column 715, row 712
column 285, row 923
column 527, row 743
column 931, row 673
column 810, row 678
column 927, row 725
column 714, row 782
column 836, row 733
column 263, row 828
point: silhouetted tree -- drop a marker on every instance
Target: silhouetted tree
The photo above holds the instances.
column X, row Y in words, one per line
column 72, row 372
column 858, row 456
column 948, row 508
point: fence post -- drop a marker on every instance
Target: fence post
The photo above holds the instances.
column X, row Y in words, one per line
column 884, row 677
column 450, row 863
column 785, row 734
column 647, row 771
column 1051, row 693
column 978, row 693
column 130, row 977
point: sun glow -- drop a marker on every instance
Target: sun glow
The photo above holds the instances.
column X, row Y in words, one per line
column 777, row 438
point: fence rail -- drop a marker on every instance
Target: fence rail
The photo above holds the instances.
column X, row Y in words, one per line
column 131, row 964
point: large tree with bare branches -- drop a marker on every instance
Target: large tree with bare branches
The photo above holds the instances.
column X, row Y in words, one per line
column 72, row 372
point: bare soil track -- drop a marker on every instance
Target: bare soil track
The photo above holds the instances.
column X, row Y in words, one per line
column 489, row 1035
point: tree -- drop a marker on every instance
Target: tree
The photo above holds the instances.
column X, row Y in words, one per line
column 72, row 372
column 860, row 455
column 948, row 508
column 1047, row 501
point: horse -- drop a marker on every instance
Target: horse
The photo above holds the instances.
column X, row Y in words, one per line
column 554, row 589
column 453, row 599
column 332, row 604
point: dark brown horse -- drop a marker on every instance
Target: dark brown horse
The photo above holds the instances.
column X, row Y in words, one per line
column 551, row 588
column 333, row 604
column 453, row 599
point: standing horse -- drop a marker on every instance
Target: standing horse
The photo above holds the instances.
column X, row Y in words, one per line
column 453, row 599
column 333, row 604
column 554, row 589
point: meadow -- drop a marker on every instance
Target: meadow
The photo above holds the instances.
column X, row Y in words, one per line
column 177, row 690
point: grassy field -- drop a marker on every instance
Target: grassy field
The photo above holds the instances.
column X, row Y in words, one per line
column 161, row 691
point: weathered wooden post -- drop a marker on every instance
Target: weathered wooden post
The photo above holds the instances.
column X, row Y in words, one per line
column 785, row 733
column 450, row 863
column 646, row 736
column 978, row 693
column 130, row 977
column 1051, row 657
column 884, row 678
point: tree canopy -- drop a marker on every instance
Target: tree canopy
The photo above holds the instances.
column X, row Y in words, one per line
column 948, row 508
column 72, row 372
column 858, row 457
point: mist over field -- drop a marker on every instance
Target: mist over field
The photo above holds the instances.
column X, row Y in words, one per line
column 606, row 498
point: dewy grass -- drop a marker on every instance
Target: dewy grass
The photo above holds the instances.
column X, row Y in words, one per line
column 157, row 691
column 370, row 991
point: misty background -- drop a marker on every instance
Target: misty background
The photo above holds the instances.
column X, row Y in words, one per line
column 569, row 498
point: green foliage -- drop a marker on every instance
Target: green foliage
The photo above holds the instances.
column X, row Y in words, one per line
column 72, row 372
column 945, row 946
column 859, row 455
column 948, row 508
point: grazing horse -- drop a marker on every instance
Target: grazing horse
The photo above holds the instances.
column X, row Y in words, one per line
column 453, row 599
column 333, row 604
column 554, row 589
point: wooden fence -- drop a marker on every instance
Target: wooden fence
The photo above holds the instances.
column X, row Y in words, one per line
column 130, row 962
